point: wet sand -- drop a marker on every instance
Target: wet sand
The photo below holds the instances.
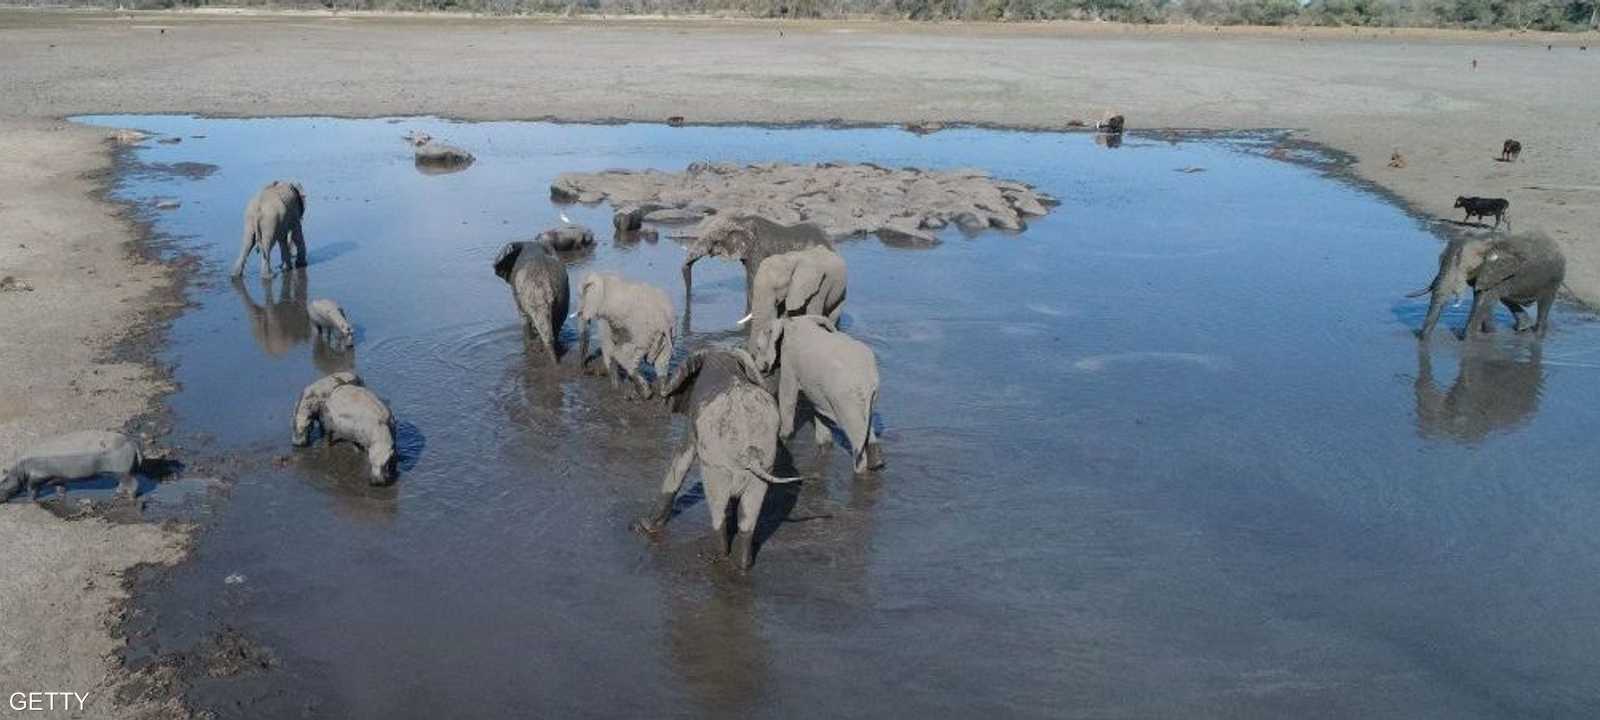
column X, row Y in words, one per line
column 1362, row 92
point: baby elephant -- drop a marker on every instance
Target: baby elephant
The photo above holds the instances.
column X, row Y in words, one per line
column 635, row 324
column 733, row 432
column 329, row 321
column 272, row 219
column 74, row 456
column 1483, row 207
column 538, row 281
column 349, row 411
column 567, row 237
column 837, row 374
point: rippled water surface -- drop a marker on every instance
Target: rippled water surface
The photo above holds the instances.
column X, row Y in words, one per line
column 1171, row 452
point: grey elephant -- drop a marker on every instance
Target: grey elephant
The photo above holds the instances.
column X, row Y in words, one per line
column 802, row 282
column 1492, row 391
column 634, row 322
column 538, row 281
column 836, row 373
column 1513, row 271
column 567, row 237
column 348, row 411
column 749, row 239
column 329, row 320
column 74, row 456
column 273, row 219
column 282, row 321
column 733, row 432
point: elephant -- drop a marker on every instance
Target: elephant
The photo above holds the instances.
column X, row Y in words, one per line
column 273, row 219
column 1491, row 392
column 348, row 411
column 329, row 320
column 281, row 323
column 538, row 281
column 635, row 323
column 837, row 374
column 749, row 239
column 733, row 432
column 802, row 282
column 1514, row 271
column 74, row 456
column 567, row 237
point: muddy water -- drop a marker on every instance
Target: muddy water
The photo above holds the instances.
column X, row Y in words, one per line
column 1172, row 452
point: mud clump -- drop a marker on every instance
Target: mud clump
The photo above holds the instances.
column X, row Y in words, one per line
column 846, row 200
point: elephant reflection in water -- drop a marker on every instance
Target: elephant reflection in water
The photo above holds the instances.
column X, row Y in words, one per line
column 281, row 322
column 1492, row 391
column 717, row 649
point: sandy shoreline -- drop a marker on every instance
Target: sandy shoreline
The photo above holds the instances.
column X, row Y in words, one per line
column 1364, row 92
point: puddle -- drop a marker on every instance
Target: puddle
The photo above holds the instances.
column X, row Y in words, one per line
column 1164, row 454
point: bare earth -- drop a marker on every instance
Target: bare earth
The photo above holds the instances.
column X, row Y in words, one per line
column 1365, row 92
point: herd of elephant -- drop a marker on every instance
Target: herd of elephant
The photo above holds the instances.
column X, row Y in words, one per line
column 740, row 400
column 796, row 365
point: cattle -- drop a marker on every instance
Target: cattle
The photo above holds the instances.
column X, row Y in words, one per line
column 1480, row 207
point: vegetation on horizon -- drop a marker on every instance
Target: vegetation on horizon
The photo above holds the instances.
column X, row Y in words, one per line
column 1558, row 15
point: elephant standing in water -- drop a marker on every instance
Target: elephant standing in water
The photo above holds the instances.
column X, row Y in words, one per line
column 282, row 322
column 802, row 282
column 634, row 322
column 749, row 239
column 348, row 411
column 733, row 432
column 836, row 373
column 1513, row 271
column 273, row 219
column 1491, row 392
column 538, row 281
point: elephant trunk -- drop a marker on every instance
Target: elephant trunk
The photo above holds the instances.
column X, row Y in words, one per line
column 688, row 271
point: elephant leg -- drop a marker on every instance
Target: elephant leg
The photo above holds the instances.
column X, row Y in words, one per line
column 1546, row 301
column 541, row 327
column 749, row 512
column 820, row 431
column 1481, row 303
column 284, row 252
column 717, row 482
column 676, row 472
column 788, row 395
column 1519, row 316
column 248, row 244
column 663, row 362
column 607, row 352
column 299, row 237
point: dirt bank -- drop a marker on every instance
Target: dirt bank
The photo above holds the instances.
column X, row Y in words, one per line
column 1368, row 93
column 63, row 579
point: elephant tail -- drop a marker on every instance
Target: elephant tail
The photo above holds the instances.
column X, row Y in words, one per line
column 770, row 478
column 1419, row 293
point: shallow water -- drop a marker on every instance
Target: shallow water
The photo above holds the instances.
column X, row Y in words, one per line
column 1164, row 454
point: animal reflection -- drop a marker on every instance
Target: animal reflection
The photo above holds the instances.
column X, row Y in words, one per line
column 1491, row 392
column 281, row 322
column 717, row 649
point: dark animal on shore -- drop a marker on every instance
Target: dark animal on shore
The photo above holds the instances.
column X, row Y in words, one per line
column 1510, row 150
column 1396, row 160
column 675, row 121
column 1484, row 207
column 1513, row 271
column 733, row 433
column 78, row 456
column 1111, row 125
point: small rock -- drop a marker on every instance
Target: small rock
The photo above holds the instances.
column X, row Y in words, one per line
column 673, row 215
column 905, row 234
column 128, row 137
column 170, row 140
column 12, row 284
column 234, row 579
column 166, row 204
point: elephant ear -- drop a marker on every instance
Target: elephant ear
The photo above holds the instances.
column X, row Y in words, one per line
column 506, row 260
column 804, row 284
column 680, row 387
column 1499, row 265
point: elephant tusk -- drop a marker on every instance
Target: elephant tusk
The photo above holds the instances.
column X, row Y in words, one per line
column 571, row 316
column 745, row 319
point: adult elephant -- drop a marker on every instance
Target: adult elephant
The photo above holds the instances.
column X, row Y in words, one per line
column 749, row 239
column 538, row 281
column 273, row 219
column 1514, row 271
column 802, row 282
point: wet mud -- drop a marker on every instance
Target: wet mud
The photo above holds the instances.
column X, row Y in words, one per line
column 1170, row 451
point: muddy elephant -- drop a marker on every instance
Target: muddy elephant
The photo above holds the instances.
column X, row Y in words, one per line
column 273, row 219
column 329, row 321
column 634, row 322
column 1513, row 271
column 74, row 456
column 1492, row 391
column 538, row 281
column 733, row 433
column 802, row 282
column 567, row 237
column 749, row 239
column 348, row 411
column 282, row 321
column 837, row 374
